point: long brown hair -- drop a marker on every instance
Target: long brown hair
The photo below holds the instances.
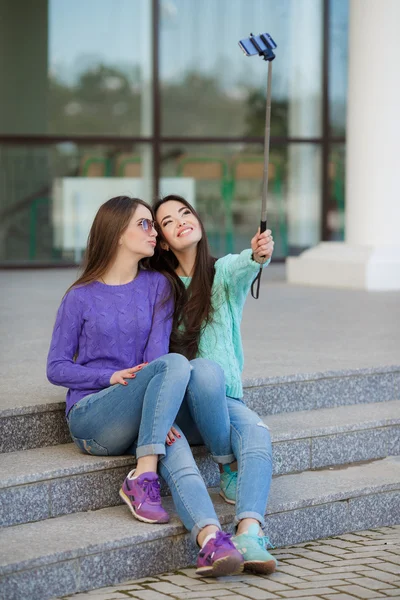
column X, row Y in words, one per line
column 193, row 307
column 110, row 222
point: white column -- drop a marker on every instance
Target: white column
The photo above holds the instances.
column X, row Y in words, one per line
column 370, row 256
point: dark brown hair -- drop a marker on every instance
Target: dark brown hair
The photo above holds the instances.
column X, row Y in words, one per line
column 110, row 222
column 193, row 308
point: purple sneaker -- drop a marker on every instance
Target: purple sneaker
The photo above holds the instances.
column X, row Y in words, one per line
column 219, row 557
column 142, row 495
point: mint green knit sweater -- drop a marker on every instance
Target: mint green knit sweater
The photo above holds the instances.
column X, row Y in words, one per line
column 221, row 340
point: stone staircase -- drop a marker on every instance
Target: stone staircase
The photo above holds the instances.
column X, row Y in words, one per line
column 336, row 446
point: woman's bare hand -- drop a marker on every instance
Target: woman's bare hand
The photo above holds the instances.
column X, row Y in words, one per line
column 262, row 246
column 171, row 435
column 120, row 376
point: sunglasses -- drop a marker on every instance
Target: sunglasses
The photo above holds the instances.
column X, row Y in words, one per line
column 147, row 225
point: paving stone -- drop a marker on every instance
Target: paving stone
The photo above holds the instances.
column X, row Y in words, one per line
column 305, row 593
column 340, row 570
column 381, row 576
column 345, row 544
column 142, row 580
column 258, row 594
column 317, row 556
column 236, row 597
column 310, row 564
column 388, row 568
column 350, row 562
column 183, row 579
column 202, row 594
column 296, row 571
column 357, row 590
column 151, row 595
column 372, row 584
column 330, row 550
column 394, row 558
column 317, row 584
column 330, row 576
column 338, row 597
column 165, row 587
column 286, row 578
column 270, row 585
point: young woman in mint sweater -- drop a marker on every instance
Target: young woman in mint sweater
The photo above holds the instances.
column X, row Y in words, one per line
column 110, row 349
column 209, row 300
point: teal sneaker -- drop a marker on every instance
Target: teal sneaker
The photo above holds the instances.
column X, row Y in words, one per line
column 254, row 550
column 227, row 484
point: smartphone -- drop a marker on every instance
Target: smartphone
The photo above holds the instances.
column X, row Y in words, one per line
column 262, row 43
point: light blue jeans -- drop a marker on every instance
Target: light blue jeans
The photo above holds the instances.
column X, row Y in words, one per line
column 133, row 418
column 136, row 418
column 251, row 444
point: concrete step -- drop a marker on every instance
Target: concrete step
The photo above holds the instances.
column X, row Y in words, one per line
column 48, row 482
column 39, row 424
column 85, row 551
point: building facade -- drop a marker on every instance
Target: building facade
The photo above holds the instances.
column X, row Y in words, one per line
column 147, row 97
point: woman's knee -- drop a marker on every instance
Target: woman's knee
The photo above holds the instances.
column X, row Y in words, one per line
column 253, row 436
column 176, row 362
column 207, row 371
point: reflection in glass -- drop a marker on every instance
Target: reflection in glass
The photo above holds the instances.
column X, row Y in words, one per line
column 49, row 195
column 303, row 196
column 228, row 187
column 85, row 67
column 210, row 88
column 336, row 204
column 338, row 63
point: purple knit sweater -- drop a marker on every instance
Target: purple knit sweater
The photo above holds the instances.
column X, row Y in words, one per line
column 108, row 328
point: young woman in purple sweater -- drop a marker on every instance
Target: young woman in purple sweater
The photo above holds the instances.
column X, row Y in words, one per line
column 110, row 349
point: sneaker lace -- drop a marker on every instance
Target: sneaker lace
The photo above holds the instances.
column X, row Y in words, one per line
column 264, row 542
column 222, row 538
column 232, row 479
column 152, row 490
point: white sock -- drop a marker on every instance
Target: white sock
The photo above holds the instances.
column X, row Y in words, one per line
column 208, row 538
column 131, row 474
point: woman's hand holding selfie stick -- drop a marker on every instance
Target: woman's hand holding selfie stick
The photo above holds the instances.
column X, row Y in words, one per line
column 263, row 45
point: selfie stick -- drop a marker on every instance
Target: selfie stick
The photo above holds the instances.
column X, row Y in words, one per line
column 264, row 49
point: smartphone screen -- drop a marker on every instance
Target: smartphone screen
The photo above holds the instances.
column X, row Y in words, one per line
column 247, row 47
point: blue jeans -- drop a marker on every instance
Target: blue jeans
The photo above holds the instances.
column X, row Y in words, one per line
column 114, row 421
column 122, row 418
column 202, row 419
column 251, row 443
column 203, row 416
column 190, row 495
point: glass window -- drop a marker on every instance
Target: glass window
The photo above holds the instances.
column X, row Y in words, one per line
column 50, row 194
column 336, row 204
column 209, row 88
column 225, row 183
column 83, row 67
column 338, row 65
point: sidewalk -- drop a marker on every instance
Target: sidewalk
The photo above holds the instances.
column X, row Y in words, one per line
column 352, row 566
column 289, row 332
